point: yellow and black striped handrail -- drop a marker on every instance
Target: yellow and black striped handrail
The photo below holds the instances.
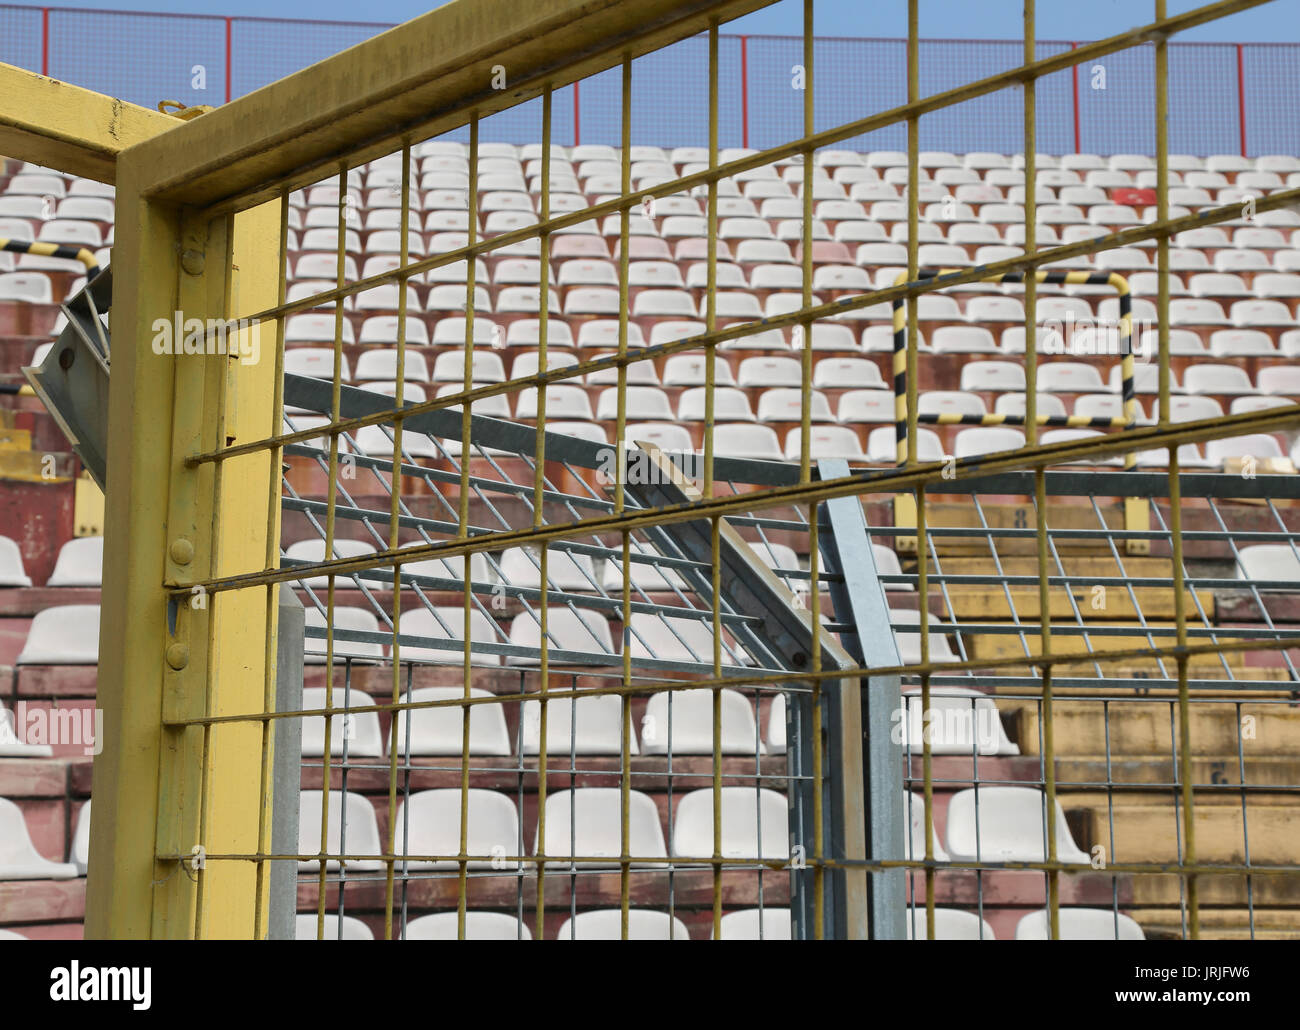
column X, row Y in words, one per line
column 43, row 249
column 56, row 250
column 1056, row 277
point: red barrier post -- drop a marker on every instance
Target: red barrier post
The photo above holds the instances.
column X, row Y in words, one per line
column 1074, row 72
column 1241, row 95
column 228, row 62
column 577, row 127
column 744, row 91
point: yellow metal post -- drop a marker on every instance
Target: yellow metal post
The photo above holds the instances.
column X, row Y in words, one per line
column 163, row 791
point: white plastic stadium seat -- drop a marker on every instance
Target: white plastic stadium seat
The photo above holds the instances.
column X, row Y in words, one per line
column 755, row 824
column 345, row 618
column 950, row 924
column 1279, row 379
column 950, row 402
column 867, row 405
column 1219, row 380
column 606, row 924
column 964, row 722
column 586, row 823
column 882, row 444
column 988, row 376
column 357, row 729
column 1080, row 924
column 909, row 643
column 987, row 440
column 313, row 550
column 825, row 442
column 564, row 570
column 755, row 924
column 914, row 815
column 479, row 926
column 63, row 635
column 306, row 928
column 19, row 859
column 428, row 823
column 79, row 853
column 582, row 631
column 11, row 746
column 12, row 573
column 578, row 726
column 1010, row 827
column 738, row 440
column 440, row 730
column 1255, row 445
column 1269, row 562
column 684, row 725
column 448, row 624
column 672, row 638
column 1070, row 377
column 362, row 836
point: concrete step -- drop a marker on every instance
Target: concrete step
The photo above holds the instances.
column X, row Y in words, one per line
column 1149, row 728
column 1221, row 924
column 1142, row 827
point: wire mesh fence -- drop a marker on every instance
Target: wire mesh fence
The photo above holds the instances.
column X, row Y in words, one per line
column 1221, row 94
column 593, row 648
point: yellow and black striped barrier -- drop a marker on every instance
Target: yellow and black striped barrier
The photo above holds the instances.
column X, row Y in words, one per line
column 42, row 249
column 54, row 250
column 1125, row 348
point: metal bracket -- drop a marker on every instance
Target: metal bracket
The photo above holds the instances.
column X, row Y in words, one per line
column 72, row 381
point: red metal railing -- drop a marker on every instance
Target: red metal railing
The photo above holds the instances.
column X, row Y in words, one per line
column 1266, row 90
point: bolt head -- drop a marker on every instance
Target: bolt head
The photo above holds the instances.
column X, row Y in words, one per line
column 178, row 655
column 181, row 551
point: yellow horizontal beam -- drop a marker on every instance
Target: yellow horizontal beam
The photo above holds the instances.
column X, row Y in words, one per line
column 69, row 128
column 419, row 79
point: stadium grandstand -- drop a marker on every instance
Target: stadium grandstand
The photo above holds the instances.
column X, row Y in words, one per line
column 531, row 518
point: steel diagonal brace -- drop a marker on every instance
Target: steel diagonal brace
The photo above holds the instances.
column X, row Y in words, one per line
column 785, row 631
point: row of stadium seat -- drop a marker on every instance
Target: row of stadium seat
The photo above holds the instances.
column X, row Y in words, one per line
column 983, row 823
column 80, row 564
column 950, row 924
column 647, row 394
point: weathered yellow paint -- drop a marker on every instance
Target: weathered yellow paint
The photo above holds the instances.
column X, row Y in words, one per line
column 120, row 892
column 88, row 508
column 1147, row 826
column 1110, row 604
column 1222, row 924
column 418, row 79
column 1164, row 889
column 15, row 439
column 66, row 127
column 1010, row 646
column 161, row 790
column 1142, row 728
column 236, row 804
column 31, row 466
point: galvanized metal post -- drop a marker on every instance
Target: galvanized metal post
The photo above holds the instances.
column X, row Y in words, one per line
column 859, row 599
column 287, row 776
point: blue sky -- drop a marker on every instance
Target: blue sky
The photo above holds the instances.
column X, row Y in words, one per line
column 1278, row 21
